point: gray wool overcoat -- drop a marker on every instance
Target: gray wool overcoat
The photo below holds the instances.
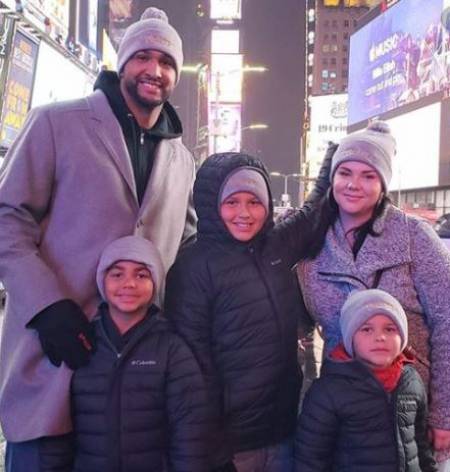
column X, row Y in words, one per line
column 66, row 190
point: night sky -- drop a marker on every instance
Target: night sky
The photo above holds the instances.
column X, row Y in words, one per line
column 272, row 35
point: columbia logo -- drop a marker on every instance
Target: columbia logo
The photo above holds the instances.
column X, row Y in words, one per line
column 275, row 262
column 140, row 362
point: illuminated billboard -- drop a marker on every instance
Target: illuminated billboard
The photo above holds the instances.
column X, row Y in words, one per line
column 18, row 88
column 401, row 56
column 416, row 163
column 67, row 81
column 225, row 127
column 226, row 78
column 328, row 123
column 224, row 41
column 226, row 10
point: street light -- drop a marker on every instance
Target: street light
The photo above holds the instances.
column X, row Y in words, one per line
column 255, row 126
column 285, row 197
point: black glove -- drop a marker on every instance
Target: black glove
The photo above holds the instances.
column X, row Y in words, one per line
column 228, row 467
column 65, row 334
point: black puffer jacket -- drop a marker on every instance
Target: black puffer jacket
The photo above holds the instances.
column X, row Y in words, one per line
column 237, row 306
column 350, row 423
column 143, row 409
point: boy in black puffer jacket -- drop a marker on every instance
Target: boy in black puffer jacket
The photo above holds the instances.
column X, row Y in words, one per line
column 233, row 298
column 139, row 406
column 368, row 410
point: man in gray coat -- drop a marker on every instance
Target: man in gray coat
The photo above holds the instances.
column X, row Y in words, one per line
column 79, row 175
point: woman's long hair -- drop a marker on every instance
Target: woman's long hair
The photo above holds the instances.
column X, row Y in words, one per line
column 327, row 214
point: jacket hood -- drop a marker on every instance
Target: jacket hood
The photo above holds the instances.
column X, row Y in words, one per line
column 168, row 125
column 207, row 188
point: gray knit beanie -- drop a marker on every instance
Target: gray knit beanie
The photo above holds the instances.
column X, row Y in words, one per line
column 374, row 146
column 152, row 31
column 362, row 305
column 135, row 249
column 246, row 179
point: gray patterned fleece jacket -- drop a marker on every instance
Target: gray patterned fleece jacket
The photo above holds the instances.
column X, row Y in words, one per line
column 412, row 264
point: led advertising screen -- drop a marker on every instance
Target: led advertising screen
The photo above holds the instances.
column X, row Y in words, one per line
column 67, row 81
column 328, row 123
column 19, row 83
column 416, row 164
column 225, row 10
column 225, row 128
column 226, row 78
column 400, row 57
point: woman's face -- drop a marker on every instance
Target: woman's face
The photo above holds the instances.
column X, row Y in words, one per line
column 356, row 188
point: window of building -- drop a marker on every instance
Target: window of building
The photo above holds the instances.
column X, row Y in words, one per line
column 344, row 61
column 346, row 23
column 324, row 86
column 326, row 37
column 334, row 37
column 334, row 23
column 324, row 61
column 326, row 48
column 344, row 73
column 334, row 48
column 345, row 48
column 325, row 73
column 345, row 36
column 332, row 75
column 326, row 23
column 355, row 23
column 333, row 61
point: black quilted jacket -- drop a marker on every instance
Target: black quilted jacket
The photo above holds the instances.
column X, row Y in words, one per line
column 349, row 423
column 142, row 409
column 237, row 305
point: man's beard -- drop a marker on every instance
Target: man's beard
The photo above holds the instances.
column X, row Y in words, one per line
column 131, row 87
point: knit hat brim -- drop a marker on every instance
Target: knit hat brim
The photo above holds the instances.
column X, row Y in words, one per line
column 361, row 305
column 374, row 146
column 245, row 179
column 135, row 249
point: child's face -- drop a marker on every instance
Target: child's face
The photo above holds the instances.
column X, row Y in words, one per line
column 243, row 214
column 128, row 288
column 377, row 342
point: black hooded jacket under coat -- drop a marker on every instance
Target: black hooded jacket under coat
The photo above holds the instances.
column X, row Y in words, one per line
column 349, row 423
column 237, row 305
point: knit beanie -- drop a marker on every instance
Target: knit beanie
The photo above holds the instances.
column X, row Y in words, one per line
column 362, row 305
column 374, row 146
column 135, row 249
column 246, row 179
column 152, row 31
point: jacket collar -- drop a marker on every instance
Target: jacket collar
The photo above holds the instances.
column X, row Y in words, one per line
column 390, row 249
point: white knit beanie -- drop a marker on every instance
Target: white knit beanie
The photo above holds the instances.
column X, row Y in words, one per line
column 245, row 179
column 361, row 305
column 152, row 31
column 374, row 146
column 135, row 249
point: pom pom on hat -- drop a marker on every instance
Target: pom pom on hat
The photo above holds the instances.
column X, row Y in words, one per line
column 152, row 31
column 361, row 305
column 374, row 146
column 153, row 12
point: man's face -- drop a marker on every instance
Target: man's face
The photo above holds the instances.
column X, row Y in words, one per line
column 148, row 78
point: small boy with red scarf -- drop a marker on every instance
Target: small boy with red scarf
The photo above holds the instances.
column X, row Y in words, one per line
column 368, row 410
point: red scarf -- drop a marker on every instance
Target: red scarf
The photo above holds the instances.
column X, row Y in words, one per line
column 387, row 376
